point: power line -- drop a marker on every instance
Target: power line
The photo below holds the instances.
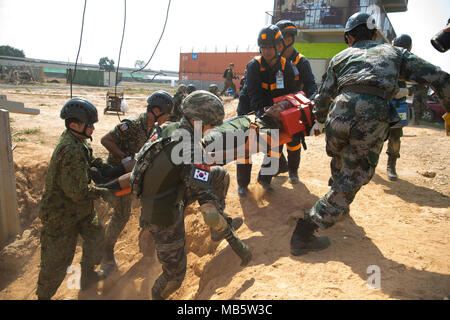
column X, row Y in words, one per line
column 164, row 28
column 79, row 47
column 120, row 50
column 121, row 42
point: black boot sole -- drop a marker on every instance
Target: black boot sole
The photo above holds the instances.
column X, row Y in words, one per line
column 318, row 244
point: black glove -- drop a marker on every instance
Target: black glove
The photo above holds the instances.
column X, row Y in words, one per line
column 97, row 176
column 113, row 172
column 112, row 185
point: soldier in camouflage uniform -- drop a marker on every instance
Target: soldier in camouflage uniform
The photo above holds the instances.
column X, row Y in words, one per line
column 214, row 89
column 167, row 187
column 123, row 142
column 395, row 133
column 362, row 80
column 177, row 100
column 419, row 101
column 228, row 82
column 67, row 206
column 190, row 88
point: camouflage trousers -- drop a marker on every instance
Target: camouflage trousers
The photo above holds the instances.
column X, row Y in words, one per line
column 419, row 105
column 58, row 246
column 120, row 217
column 355, row 147
column 393, row 148
column 170, row 241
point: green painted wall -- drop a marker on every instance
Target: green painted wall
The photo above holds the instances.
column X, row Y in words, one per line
column 55, row 70
column 320, row 50
column 88, row 77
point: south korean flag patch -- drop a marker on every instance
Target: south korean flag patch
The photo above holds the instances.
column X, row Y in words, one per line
column 201, row 175
column 201, row 172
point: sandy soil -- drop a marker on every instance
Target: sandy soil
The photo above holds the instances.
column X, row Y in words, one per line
column 401, row 227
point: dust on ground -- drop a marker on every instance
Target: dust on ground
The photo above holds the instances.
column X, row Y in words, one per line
column 399, row 229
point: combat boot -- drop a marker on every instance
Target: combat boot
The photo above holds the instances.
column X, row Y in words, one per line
column 240, row 248
column 89, row 277
column 282, row 166
column 235, row 223
column 163, row 288
column 109, row 263
column 242, row 191
column 266, row 186
column 303, row 239
column 293, row 177
column 391, row 173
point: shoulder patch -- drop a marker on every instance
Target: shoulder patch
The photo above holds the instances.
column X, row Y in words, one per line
column 201, row 175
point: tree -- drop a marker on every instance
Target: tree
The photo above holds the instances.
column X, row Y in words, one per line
column 139, row 64
column 11, row 52
column 106, row 64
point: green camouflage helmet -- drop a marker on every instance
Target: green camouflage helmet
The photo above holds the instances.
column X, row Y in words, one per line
column 205, row 106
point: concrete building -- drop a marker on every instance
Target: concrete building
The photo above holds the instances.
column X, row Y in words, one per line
column 321, row 24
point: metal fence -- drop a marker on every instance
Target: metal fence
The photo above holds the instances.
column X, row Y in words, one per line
column 329, row 17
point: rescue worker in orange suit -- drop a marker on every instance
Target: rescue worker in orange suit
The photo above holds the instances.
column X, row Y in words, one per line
column 305, row 82
column 268, row 76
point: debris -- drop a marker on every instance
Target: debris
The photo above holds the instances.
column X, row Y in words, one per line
column 427, row 173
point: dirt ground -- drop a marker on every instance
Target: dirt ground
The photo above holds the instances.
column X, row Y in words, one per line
column 399, row 229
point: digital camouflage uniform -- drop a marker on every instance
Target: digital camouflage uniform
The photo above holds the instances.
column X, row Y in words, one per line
column 66, row 211
column 394, row 143
column 164, row 217
column 129, row 136
column 358, row 123
column 165, row 187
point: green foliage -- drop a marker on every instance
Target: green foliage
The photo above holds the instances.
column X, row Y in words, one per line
column 18, row 139
column 106, row 64
column 139, row 64
column 11, row 52
column 31, row 130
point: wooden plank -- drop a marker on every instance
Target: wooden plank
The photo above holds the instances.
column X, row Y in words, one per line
column 16, row 107
column 9, row 218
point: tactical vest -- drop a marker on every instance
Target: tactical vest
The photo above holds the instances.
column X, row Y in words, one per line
column 267, row 83
column 156, row 180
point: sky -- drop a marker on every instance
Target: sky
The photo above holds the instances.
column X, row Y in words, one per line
column 50, row 29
